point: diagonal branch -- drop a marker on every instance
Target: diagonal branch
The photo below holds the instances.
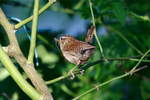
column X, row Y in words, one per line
column 124, row 38
column 95, row 33
column 132, row 71
column 17, row 26
column 16, row 52
column 109, row 81
column 16, row 75
column 88, row 65
column 34, row 31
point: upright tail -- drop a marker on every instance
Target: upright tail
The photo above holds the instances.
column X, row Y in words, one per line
column 90, row 33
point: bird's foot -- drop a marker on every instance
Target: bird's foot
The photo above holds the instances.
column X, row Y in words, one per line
column 72, row 74
column 81, row 71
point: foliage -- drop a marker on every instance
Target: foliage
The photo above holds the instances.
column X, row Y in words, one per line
column 126, row 22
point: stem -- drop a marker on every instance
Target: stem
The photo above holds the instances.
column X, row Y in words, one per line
column 140, row 61
column 133, row 70
column 107, row 82
column 15, row 74
column 143, row 18
column 34, row 30
column 57, row 79
column 16, row 52
column 98, row 86
column 125, row 39
column 94, row 63
column 95, row 33
column 132, row 59
column 31, row 17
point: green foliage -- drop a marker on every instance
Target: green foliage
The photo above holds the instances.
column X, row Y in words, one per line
column 119, row 12
column 112, row 13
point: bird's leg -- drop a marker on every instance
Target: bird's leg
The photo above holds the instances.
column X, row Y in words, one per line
column 81, row 70
column 71, row 71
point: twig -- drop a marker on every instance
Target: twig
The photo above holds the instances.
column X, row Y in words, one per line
column 107, row 82
column 95, row 34
column 125, row 39
column 133, row 70
column 79, row 5
column 84, row 67
column 15, row 74
column 34, row 31
column 139, row 61
column 31, row 17
column 143, row 18
column 112, row 59
column 57, row 79
column 16, row 52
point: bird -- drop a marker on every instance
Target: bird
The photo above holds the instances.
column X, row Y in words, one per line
column 76, row 51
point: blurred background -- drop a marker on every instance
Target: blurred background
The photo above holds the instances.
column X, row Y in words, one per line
column 118, row 22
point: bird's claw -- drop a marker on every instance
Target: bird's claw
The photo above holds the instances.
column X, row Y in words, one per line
column 72, row 75
column 81, row 71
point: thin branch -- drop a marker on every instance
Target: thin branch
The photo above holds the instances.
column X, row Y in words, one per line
column 15, row 50
column 15, row 74
column 133, row 70
column 143, row 18
column 138, row 56
column 95, row 34
column 17, row 26
column 34, row 31
column 125, row 39
column 107, row 82
column 57, row 79
column 84, row 67
column 139, row 61
column 122, row 36
column 124, row 69
column 79, row 4
column 112, row 59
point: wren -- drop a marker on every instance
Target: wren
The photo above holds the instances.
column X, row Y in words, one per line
column 76, row 51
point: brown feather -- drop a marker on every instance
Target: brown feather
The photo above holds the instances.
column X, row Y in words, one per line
column 90, row 34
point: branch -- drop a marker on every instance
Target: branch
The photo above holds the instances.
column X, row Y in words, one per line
column 17, row 26
column 95, row 34
column 84, row 67
column 133, row 70
column 58, row 79
column 16, row 52
column 15, row 74
column 139, row 61
column 109, row 81
column 143, row 18
column 34, row 31
column 125, row 39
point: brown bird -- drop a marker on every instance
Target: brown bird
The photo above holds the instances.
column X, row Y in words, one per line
column 76, row 51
